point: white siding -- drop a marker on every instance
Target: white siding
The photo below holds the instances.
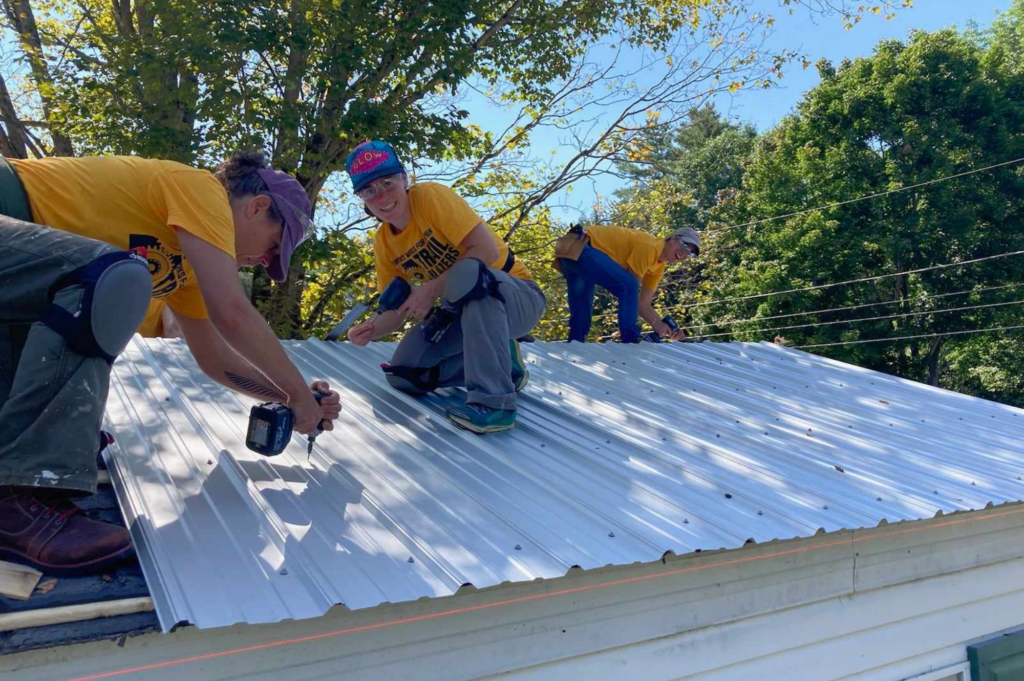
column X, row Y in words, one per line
column 908, row 632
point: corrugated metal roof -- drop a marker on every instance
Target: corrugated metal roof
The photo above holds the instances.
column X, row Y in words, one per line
column 621, row 453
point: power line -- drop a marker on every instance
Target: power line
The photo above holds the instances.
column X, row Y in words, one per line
column 865, row 198
column 862, row 280
column 855, row 307
column 862, row 319
column 819, row 287
column 899, row 338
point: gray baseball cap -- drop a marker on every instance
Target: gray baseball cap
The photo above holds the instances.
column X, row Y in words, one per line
column 687, row 235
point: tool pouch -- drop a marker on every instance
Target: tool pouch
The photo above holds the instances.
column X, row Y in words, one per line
column 570, row 246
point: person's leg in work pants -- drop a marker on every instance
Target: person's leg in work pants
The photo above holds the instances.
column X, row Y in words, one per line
column 595, row 267
column 51, row 404
column 474, row 352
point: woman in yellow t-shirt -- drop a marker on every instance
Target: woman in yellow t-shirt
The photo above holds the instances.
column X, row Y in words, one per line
column 120, row 231
column 431, row 237
column 628, row 264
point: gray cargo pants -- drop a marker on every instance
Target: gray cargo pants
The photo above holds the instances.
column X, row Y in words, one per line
column 475, row 351
column 51, row 398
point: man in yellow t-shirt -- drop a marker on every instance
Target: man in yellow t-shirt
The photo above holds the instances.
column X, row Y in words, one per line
column 628, row 264
column 120, row 232
column 431, row 237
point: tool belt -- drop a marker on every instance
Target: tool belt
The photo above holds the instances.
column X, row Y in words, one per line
column 571, row 245
column 510, row 261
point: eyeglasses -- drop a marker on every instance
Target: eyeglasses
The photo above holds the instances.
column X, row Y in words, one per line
column 378, row 187
column 308, row 227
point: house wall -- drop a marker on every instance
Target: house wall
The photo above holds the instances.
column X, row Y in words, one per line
column 887, row 634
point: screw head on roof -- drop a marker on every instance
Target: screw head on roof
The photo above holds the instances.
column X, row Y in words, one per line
column 209, row 462
column 937, row 491
column 518, row 547
column 760, row 512
column 825, row 507
column 411, row 560
column 878, row 499
column 611, row 535
column 686, row 521
column 728, row 496
column 284, row 571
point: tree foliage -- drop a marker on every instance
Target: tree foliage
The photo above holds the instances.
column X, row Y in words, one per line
column 934, row 105
column 307, row 80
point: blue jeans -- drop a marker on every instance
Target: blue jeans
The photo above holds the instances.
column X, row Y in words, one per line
column 595, row 267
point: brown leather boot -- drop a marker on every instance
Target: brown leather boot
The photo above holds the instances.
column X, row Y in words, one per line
column 44, row 529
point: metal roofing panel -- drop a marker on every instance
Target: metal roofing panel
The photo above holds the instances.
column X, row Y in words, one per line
column 621, row 453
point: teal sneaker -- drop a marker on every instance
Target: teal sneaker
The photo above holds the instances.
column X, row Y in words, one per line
column 481, row 419
column 520, row 376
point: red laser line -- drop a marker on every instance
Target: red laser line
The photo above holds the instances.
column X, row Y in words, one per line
column 536, row 597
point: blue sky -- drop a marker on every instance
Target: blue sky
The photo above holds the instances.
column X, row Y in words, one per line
column 815, row 37
column 827, row 38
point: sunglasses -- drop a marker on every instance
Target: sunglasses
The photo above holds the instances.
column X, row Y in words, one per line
column 690, row 248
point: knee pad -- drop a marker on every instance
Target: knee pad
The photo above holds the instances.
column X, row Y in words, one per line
column 415, row 380
column 116, row 291
column 468, row 280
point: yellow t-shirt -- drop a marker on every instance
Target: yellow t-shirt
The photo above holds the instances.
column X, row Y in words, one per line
column 134, row 204
column 152, row 325
column 429, row 244
column 634, row 250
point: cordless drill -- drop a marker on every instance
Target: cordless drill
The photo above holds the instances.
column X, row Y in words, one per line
column 270, row 428
column 653, row 337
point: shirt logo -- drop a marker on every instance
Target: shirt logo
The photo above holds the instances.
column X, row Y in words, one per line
column 166, row 268
column 428, row 258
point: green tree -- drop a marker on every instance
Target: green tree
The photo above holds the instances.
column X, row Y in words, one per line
column 932, row 106
column 307, row 80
